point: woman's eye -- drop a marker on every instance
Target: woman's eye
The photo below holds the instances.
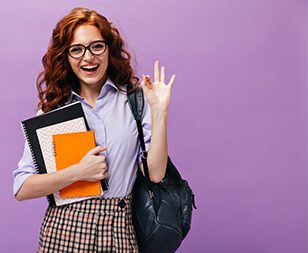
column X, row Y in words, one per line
column 75, row 49
column 97, row 46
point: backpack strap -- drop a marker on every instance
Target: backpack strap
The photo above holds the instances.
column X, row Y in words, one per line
column 136, row 104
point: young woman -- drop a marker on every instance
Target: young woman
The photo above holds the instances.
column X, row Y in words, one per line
column 86, row 61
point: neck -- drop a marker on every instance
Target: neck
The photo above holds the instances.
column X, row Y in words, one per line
column 91, row 92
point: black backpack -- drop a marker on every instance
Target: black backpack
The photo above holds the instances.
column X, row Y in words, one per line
column 162, row 212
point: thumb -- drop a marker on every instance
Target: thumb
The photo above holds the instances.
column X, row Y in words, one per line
column 146, row 82
column 143, row 81
column 97, row 150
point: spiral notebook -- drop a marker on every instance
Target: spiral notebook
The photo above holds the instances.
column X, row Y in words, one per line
column 38, row 132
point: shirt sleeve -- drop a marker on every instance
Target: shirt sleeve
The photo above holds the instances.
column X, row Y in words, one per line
column 146, row 126
column 25, row 167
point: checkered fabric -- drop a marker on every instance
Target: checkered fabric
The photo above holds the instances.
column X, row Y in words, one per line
column 94, row 225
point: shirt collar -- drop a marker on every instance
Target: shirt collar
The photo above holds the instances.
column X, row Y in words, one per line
column 110, row 83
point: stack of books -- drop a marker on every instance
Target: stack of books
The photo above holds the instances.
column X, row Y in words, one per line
column 57, row 140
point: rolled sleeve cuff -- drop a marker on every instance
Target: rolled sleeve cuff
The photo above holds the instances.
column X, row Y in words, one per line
column 19, row 182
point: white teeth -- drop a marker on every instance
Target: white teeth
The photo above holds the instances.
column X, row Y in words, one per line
column 89, row 66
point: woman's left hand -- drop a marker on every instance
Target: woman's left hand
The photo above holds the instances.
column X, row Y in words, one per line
column 158, row 93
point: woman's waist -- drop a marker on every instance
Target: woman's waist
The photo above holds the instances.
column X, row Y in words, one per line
column 101, row 205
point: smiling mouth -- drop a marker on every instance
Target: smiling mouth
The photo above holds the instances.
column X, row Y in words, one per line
column 90, row 68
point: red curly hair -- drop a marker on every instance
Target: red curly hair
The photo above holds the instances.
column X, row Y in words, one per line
column 57, row 80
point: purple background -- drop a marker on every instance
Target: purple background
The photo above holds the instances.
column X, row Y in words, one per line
column 237, row 126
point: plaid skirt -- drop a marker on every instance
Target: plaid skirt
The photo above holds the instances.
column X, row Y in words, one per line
column 93, row 225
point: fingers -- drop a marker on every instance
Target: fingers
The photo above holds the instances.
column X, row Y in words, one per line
column 102, row 166
column 156, row 71
column 97, row 150
column 159, row 77
column 146, row 81
column 162, row 74
column 104, row 173
column 171, row 81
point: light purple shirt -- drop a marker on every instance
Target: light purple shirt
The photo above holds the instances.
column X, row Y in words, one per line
column 114, row 127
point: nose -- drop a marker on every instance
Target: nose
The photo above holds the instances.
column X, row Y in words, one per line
column 88, row 54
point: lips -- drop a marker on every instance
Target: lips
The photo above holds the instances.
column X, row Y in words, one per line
column 90, row 68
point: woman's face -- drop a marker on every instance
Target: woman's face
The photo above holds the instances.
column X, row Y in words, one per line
column 90, row 69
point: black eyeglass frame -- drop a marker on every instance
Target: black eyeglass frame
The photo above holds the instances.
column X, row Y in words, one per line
column 86, row 48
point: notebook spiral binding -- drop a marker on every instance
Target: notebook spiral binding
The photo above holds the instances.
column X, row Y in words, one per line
column 54, row 148
column 50, row 198
column 31, row 150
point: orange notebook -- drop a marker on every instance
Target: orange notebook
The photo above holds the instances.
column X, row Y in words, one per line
column 70, row 148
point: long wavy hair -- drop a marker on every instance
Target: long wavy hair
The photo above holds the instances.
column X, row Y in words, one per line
column 57, row 80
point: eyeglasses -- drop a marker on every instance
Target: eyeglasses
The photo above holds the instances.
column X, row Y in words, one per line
column 96, row 48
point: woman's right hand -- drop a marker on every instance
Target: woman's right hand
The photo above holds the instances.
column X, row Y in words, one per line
column 92, row 167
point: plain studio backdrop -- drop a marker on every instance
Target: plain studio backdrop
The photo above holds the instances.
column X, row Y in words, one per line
column 237, row 122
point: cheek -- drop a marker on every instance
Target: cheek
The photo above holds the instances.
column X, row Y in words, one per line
column 106, row 57
column 104, row 63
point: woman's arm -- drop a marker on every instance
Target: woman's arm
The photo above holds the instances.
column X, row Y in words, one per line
column 92, row 167
column 40, row 185
column 158, row 95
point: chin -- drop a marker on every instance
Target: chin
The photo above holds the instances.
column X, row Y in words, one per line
column 92, row 81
